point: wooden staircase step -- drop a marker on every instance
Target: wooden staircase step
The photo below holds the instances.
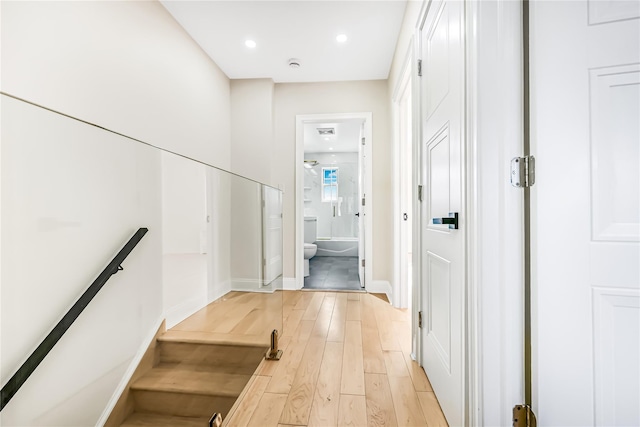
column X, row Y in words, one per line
column 203, row 337
column 191, row 379
column 139, row 419
column 234, row 359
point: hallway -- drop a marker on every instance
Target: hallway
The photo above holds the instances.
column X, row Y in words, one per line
column 346, row 361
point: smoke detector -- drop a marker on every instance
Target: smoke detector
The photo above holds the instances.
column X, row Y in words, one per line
column 294, row 63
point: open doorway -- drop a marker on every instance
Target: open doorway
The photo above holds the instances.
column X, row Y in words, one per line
column 332, row 210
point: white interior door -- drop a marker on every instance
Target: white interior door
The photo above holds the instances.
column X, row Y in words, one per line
column 585, row 98
column 361, row 207
column 442, row 257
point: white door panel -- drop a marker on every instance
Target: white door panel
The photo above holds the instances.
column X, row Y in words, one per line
column 585, row 98
column 442, row 258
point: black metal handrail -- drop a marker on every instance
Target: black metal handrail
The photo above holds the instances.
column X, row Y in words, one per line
column 18, row 379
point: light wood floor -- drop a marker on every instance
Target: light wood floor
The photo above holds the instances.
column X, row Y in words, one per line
column 346, row 362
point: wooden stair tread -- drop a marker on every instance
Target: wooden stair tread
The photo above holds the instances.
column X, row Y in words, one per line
column 201, row 337
column 189, row 379
column 155, row 420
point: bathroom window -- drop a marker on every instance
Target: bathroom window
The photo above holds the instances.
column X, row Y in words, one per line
column 329, row 184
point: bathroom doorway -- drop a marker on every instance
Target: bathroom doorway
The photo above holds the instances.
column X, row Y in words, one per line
column 332, row 191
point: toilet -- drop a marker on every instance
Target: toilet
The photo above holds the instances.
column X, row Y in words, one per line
column 310, row 236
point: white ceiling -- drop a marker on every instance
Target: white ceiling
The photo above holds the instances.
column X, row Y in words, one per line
column 300, row 29
column 344, row 141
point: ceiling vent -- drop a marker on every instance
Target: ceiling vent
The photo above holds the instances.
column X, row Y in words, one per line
column 326, row 131
column 294, row 63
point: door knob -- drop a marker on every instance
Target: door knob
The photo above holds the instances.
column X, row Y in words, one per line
column 405, row 216
column 451, row 220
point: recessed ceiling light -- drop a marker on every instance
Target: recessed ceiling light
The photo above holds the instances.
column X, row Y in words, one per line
column 341, row 38
column 250, row 44
column 330, row 148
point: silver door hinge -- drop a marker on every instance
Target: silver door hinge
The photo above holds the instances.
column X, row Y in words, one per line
column 420, row 67
column 523, row 171
column 523, row 416
column 419, row 319
column 362, row 263
column 363, row 201
column 419, row 193
column 363, row 140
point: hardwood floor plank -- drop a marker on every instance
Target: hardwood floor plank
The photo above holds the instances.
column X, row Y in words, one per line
column 388, row 338
column 285, row 372
column 418, row 376
column 371, row 347
column 269, row 367
column 403, row 333
column 353, row 309
column 352, row 411
column 405, row 402
column 396, row 366
column 431, row 409
column 323, row 320
column 338, row 319
column 352, row 381
column 311, row 313
column 268, row 411
column 354, row 296
column 380, row 411
column 304, row 300
column 292, row 322
column 303, row 332
column 243, row 412
column 300, row 399
column 326, row 400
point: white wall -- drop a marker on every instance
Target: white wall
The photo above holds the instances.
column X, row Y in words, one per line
column 72, row 195
column 246, row 234
column 252, row 128
column 184, row 237
column 124, row 65
column 293, row 99
column 72, row 200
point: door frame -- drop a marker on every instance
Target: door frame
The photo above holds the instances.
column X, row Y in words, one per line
column 500, row 27
column 301, row 120
column 405, row 83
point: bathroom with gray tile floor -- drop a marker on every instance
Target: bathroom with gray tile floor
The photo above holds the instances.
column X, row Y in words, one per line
column 333, row 273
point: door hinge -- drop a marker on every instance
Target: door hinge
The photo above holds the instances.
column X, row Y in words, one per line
column 363, row 139
column 523, row 416
column 523, row 171
column 420, row 67
column 419, row 319
column 419, row 193
column 363, row 201
column 362, row 263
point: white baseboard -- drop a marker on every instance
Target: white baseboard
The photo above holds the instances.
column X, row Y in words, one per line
column 133, row 365
column 289, row 284
column 183, row 310
column 224, row 288
column 250, row 285
column 380, row 287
